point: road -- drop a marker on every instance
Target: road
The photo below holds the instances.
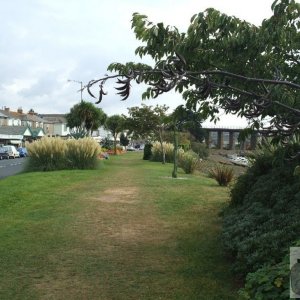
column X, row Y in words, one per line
column 9, row 167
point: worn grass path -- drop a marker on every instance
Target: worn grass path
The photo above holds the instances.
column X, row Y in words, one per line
column 126, row 231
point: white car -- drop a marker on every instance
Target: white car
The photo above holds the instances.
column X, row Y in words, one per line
column 12, row 151
column 239, row 160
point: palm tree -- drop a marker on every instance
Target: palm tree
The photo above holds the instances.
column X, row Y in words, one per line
column 115, row 124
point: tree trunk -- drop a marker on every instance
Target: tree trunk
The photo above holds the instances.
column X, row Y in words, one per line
column 115, row 145
column 174, row 173
column 162, row 147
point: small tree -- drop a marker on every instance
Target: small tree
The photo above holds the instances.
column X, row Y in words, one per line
column 115, row 124
column 148, row 122
column 124, row 141
column 183, row 119
column 83, row 118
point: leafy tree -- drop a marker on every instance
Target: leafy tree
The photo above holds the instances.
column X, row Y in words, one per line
column 183, row 119
column 124, row 141
column 85, row 117
column 222, row 62
column 115, row 124
column 148, row 122
column 190, row 121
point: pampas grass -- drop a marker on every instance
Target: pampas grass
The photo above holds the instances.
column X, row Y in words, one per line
column 157, row 152
column 48, row 154
column 188, row 161
column 82, row 153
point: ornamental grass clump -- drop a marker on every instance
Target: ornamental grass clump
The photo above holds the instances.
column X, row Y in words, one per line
column 49, row 154
column 222, row 174
column 46, row 154
column 157, row 151
column 188, row 161
column 82, row 153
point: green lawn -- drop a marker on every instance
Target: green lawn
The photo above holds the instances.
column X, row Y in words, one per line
column 125, row 231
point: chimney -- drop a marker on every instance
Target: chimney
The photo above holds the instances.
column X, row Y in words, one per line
column 6, row 108
column 20, row 110
column 31, row 111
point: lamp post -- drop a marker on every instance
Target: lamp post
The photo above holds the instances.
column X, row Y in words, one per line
column 69, row 80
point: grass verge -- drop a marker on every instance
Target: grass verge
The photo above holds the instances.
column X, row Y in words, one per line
column 125, row 231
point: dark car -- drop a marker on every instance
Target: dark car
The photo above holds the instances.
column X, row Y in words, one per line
column 3, row 154
column 22, row 151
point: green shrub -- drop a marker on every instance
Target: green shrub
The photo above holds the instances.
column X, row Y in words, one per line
column 262, row 222
column 268, row 283
column 263, row 165
column 222, row 174
column 147, row 151
column 107, row 144
column 271, row 281
column 188, row 161
column 255, row 235
column 49, row 154
column 201, row 149
column 185, row 147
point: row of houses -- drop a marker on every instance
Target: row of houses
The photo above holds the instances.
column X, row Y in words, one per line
column 17, row 127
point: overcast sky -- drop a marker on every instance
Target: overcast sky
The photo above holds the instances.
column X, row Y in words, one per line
column 43, row 43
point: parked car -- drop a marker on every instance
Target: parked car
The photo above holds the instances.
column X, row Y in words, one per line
column 239, row 160
column 130, row 148
column 22, row 151
column 12, row 151
column 3, row 153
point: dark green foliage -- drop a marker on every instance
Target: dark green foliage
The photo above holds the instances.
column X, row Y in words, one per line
column 189, row 120
column 124, row 141
column 262, row 222
column 83, row 118
column 185, row 147
column 268, row 282
column 147, row 122
column 147, row 151
column 255, row 235
column 107, row 143
column 115, row 124
column 274, row 165
column 222, row 174
column 201, row 149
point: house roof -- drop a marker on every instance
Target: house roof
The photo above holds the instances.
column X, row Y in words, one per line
column 34, row 118
column 13, row 114
column 54, row 118
column 3, row 115
column 15, row 130
column 31, row 116
column 37, row 132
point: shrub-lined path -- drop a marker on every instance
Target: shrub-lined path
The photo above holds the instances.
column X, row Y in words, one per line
column 125, row 231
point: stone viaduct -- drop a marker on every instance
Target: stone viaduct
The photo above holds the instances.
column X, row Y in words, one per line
column 216, row 136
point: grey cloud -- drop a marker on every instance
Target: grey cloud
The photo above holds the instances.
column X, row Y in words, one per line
column 47, row 42
column 45, row 86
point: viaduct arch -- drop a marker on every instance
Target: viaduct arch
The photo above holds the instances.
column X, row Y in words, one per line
column 232, row 136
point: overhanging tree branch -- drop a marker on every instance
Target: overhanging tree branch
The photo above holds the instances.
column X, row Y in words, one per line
column 204, row 84
column 221, row 62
